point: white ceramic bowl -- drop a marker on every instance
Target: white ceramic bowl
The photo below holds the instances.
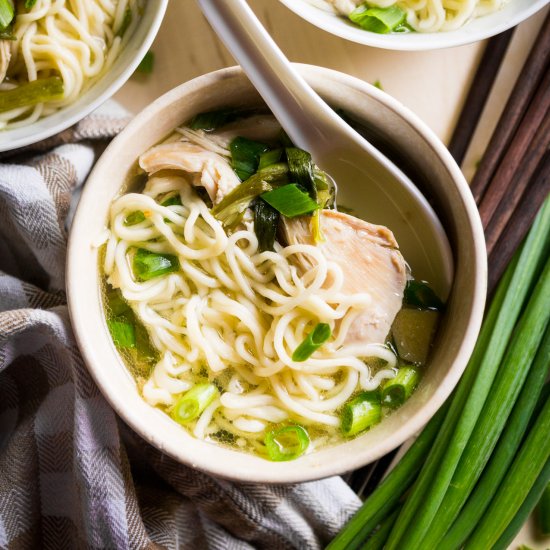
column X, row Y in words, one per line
column 404, row 137
column 105, row 87
column 320, row 14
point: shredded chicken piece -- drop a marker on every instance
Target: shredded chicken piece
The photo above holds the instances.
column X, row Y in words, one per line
column 371, row 262
column 209, row 169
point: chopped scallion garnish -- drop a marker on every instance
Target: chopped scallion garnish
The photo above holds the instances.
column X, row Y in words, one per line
column 191, row 405
column 173, row 200
column 286, row 443
column 398, row 389
column 29, row 4
column 245, row 156
column 362, row 412
column 419, row 294
column 31, row 93
column 266, row 221
column 270, row 157
column 213, row 119
column 7, row 13
column 122, row 332
column 312, row 342
column 148, row 265
column 135, row 217
column 231, row 208
column 290, row 200
column 379, row 20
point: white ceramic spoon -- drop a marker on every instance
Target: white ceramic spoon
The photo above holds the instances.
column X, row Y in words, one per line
column 391, row 198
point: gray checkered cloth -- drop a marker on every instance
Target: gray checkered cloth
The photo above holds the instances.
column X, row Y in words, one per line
column 72, row 475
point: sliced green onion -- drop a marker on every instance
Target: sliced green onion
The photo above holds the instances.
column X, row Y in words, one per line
column 419, row 294
column 7, row 33
column 116, row 304
column 174, row 200
column 7, row 13
column 126, row 22
column 31, row 93
column 135, row 217
column 230, row 209
column 122, row 332
column 286, row 443
column 213, row 119
column 544, row 512
column 29, row 4
column 147, row 63
column 191, row 405
column 148, row 265
column 362, row 412
column 379, row 20
column 301, row 169
column 290, row 201
column 245, row 156
column 270, row 157
column 397, row 390
column 266, row 221
column 312, row 342
column 378, row 84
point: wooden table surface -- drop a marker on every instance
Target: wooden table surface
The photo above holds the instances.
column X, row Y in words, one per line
column 432, row 84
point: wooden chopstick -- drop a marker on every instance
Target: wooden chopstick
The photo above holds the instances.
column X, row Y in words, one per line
column 518, row 226
column 528, row 134
column 513, row 178
column 516, row 106
column 475, row 100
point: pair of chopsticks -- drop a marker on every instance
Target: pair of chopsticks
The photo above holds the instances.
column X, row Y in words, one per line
column 513, row 177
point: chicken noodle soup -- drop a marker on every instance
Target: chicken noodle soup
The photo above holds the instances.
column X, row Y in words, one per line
column 51, row 51
column 384, row 16
column 247, row 306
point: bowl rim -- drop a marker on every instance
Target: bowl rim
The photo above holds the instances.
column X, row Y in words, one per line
column 110, row 90
column 269, row 474
column 400, row 42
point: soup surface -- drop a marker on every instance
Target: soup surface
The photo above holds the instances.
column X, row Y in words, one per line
column 247, row 304
column 51, row 51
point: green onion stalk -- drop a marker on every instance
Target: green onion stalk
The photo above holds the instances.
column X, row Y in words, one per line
column 361, row 413
column 469, row 398
column 193, row 403
column 504, row 453
column 531, row 460
column 312, row 342
column 286, row 442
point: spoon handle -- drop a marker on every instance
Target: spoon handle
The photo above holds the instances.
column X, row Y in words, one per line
column 300, row 111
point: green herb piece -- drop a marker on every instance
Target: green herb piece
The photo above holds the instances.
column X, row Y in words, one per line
column 126, row 22
column 245, row 156
column 31, row 93
column 122, row 332
column 543, row 512
column 290, row 201
column 7, row 13
column 286, row 443
column 116, row 304
column 378, row 84
column 270, row 157
column 173, row 200
column 148, row 265
column 266, row 221
column 312, row 342
column 7, row 33
column 398, row 389
column 361, row 413
column 419, row 294
column 29, row 4
column 378, row 20
column 301, row 169
column 147, row 64
column 135, row 217
column 231, row 208
column 213, row 119
column 192, row 404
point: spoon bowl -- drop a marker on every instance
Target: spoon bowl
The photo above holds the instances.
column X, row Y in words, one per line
column 393, row 200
